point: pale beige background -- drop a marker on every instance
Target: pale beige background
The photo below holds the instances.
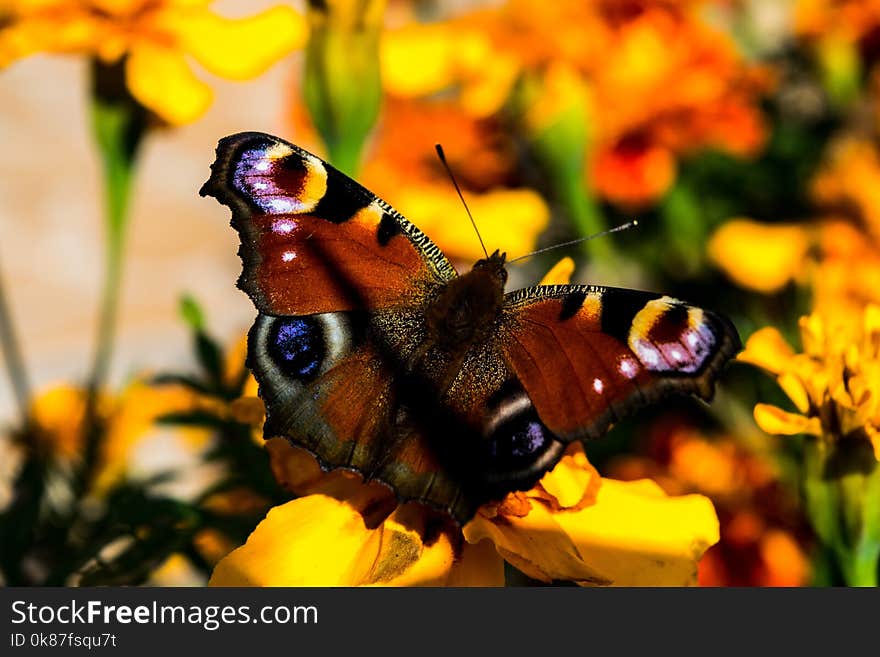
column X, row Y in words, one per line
column 51, row 221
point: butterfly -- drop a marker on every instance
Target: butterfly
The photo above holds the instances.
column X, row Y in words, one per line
column 375, row 355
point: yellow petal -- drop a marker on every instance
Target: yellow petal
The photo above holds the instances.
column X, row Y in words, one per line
column 637, row 536
column 767, row 349
column 240, row 49
column 160, row 79
column 535, row 544
column 509, row 219
column 795, row 390
column 573, row 482
column 313, row 541
column 560, row 273
column 774, row 420
column 759, row 256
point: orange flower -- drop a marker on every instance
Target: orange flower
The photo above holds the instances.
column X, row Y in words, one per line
column 662, row 81
column 850, row 180
column 848, row 276
column 850, row 19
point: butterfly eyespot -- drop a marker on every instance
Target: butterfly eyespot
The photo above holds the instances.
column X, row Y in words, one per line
column 297, row 346
column 515, row 436
column 519, row 440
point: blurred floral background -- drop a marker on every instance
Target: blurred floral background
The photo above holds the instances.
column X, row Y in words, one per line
column 744, row 137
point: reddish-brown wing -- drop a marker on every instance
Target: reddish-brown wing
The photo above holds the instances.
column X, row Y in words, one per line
column 588, row 356
column 334, row 387
column 313, row 240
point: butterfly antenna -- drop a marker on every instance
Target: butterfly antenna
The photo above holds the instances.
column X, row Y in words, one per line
column 616, row 229
column 442, row 157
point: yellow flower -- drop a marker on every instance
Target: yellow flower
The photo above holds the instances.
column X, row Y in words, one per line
column 571, row 526
column 759, row 256
column 834, row 384
column 58, row 414
column 154, row 38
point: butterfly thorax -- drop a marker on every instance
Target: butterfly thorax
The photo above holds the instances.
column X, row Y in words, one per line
column 465, row 310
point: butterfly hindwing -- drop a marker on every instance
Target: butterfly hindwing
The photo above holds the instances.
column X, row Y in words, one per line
column 337, row 386
column 312, row 239
column 589, row 355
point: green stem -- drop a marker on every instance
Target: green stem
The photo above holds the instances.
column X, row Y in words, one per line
column 859, row 566
column 119, row 125
column 13, row 358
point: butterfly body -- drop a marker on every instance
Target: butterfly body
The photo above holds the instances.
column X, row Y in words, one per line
column 374, row 354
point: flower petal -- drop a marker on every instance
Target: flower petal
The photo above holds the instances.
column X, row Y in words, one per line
column 572, row 483
column 560, row 273
column 535, row 544
column 240, row 49
column 313, row 541
column 160, row 79
column 637, row 536
column 510, row 219
column 776, row 421
column 298, row 471
column 767, row 349
column 781, row 250
column 795, row 390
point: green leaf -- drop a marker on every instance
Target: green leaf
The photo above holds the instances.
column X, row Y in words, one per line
column 191, row 312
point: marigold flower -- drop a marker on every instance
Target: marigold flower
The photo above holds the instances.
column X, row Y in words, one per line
column 572, row 526
column 154, row 38
column 834, row 384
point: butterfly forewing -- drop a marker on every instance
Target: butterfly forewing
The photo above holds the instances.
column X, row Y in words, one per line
column 312, row 239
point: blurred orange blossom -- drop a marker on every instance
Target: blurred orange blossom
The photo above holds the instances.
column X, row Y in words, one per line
column 662, row 81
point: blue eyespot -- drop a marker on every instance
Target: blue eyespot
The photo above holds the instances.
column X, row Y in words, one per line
column 296, row 345
column 519, row 441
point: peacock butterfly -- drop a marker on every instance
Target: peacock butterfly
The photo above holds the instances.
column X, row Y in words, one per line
column 374, row 354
